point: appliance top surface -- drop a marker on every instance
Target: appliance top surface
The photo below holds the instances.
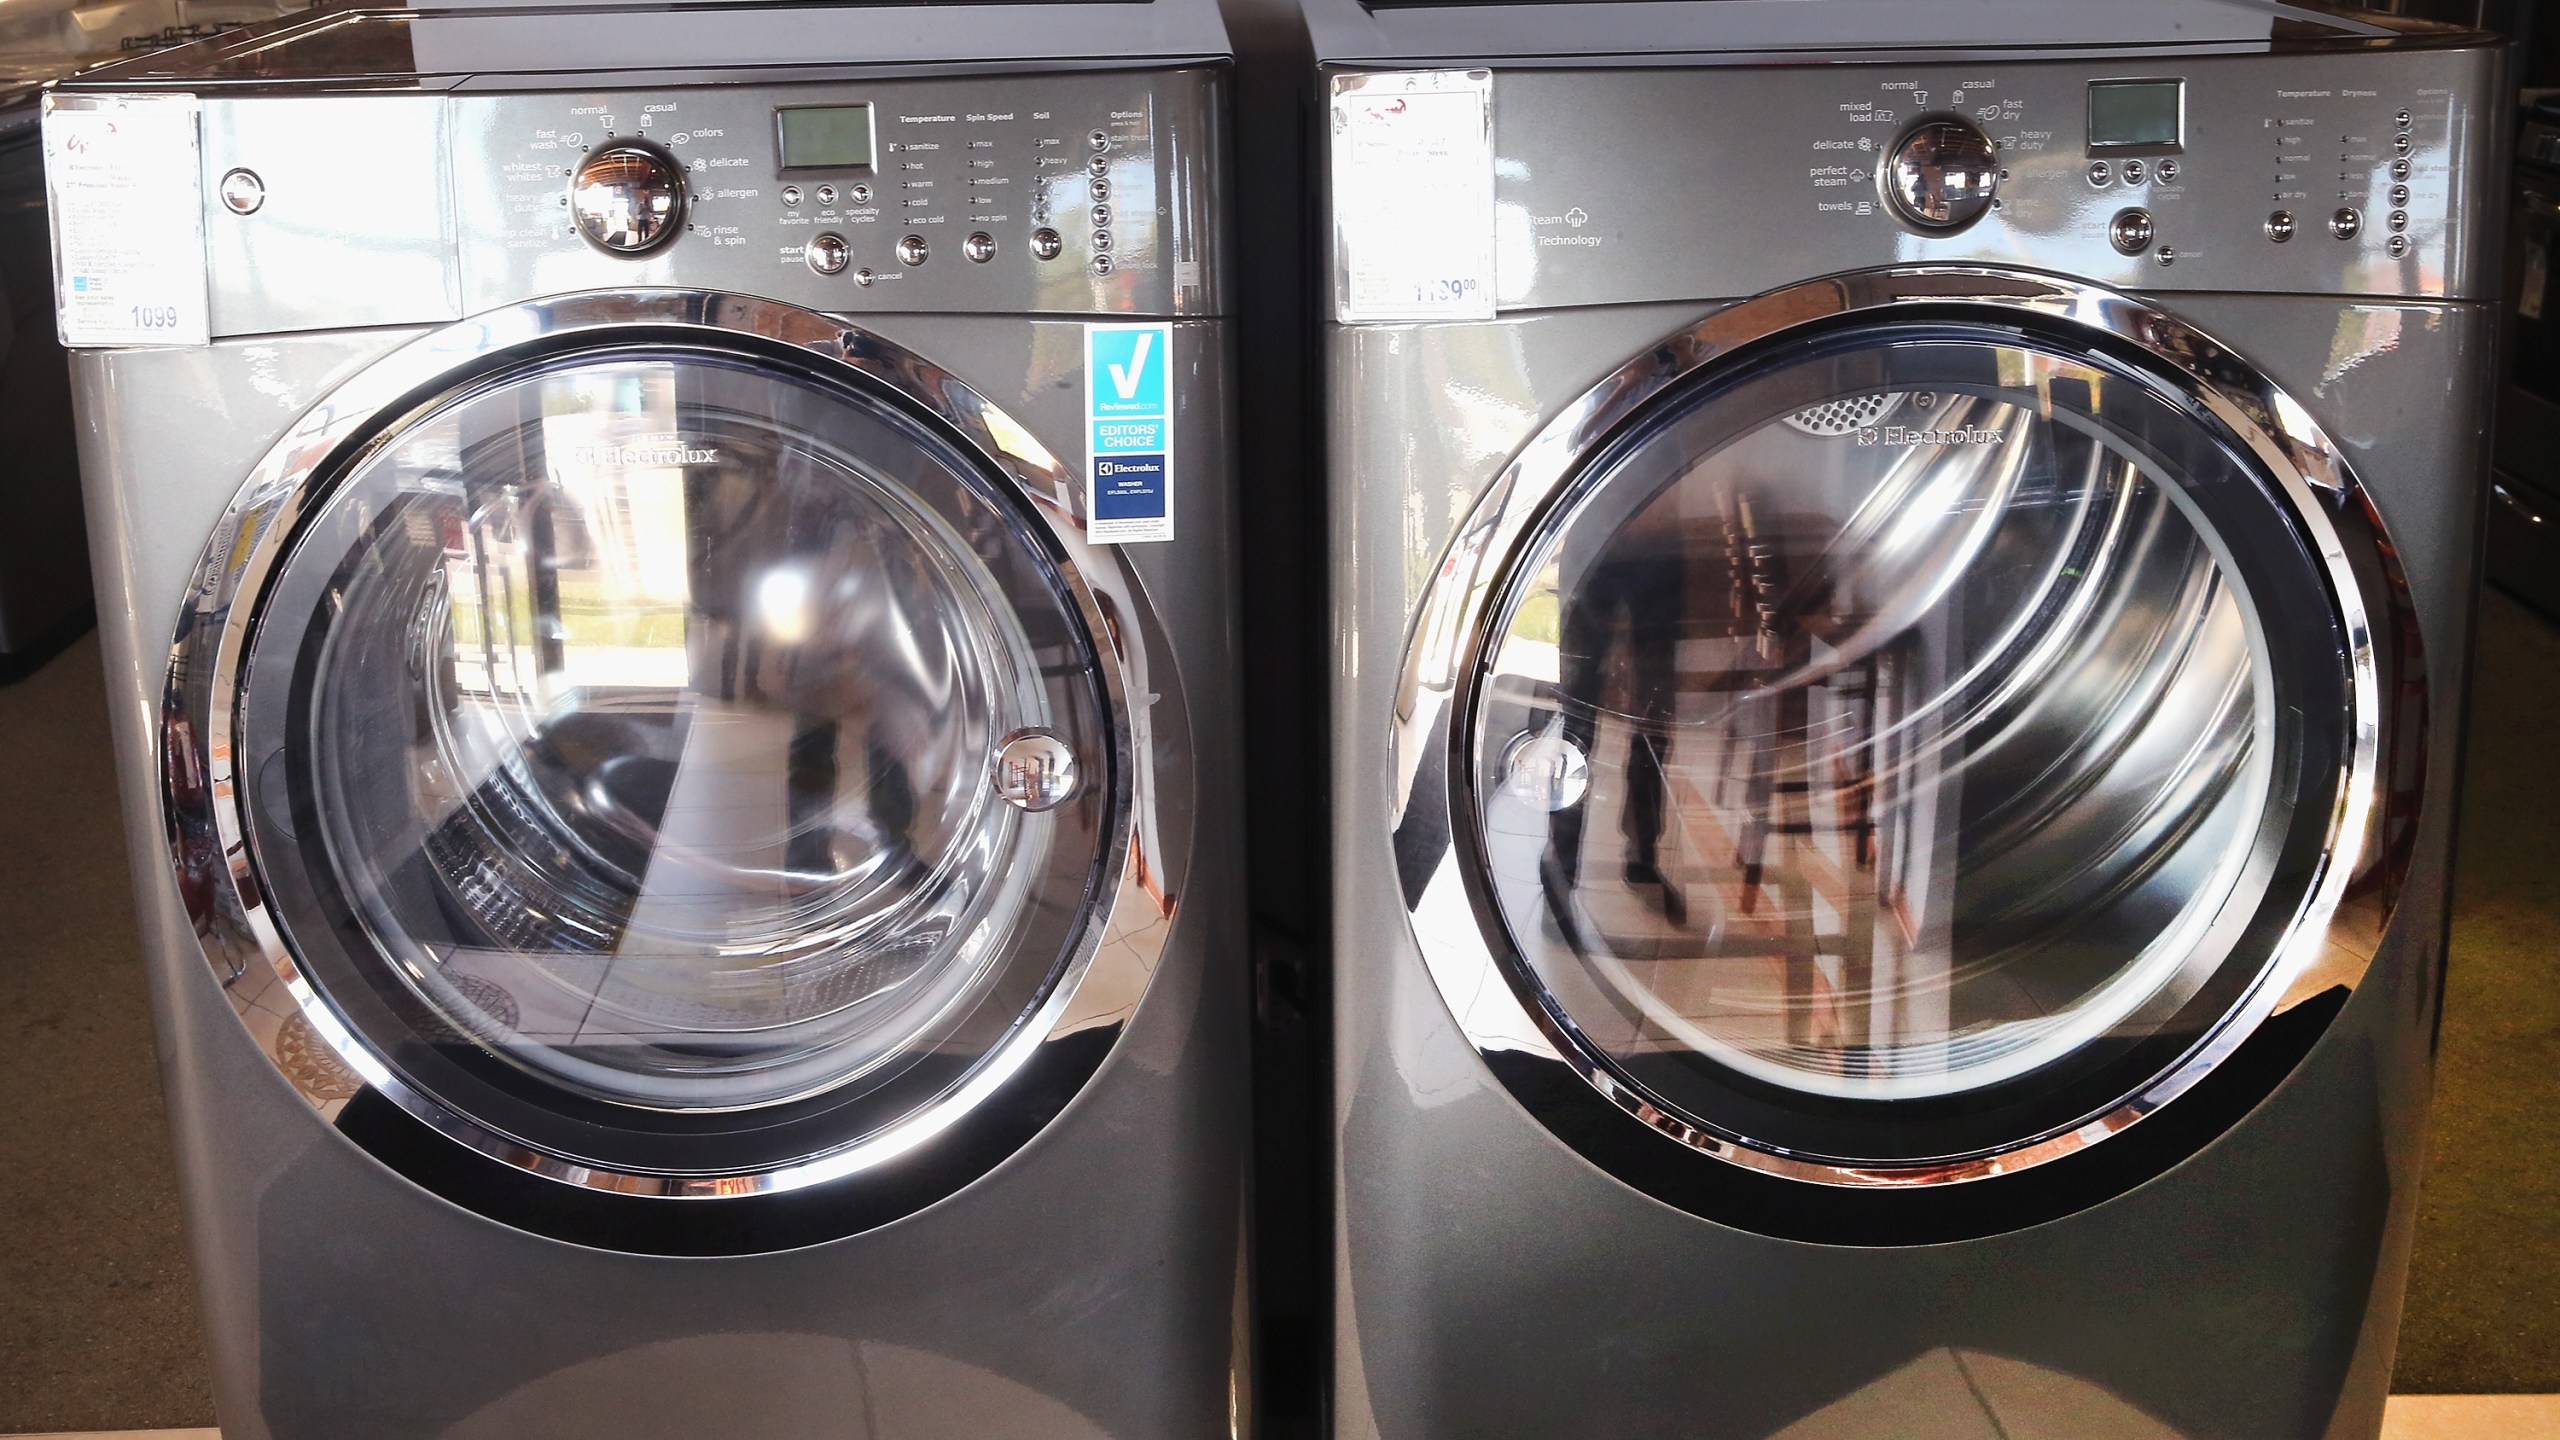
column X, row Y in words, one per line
column 1388, row 32
column 447, row 48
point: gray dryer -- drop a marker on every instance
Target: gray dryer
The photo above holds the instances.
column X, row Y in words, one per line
column 1901, row 605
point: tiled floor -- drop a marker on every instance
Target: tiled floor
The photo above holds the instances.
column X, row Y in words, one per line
column 2411, row 1417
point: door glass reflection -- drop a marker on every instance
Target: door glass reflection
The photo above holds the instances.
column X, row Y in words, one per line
column 1891, row 746
column 655, row 737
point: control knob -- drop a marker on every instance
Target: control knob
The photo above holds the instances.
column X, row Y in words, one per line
column 1942, row 174
column 627, row 198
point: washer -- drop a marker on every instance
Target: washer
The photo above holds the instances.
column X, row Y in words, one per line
column 688, row 863
column 1901, row 621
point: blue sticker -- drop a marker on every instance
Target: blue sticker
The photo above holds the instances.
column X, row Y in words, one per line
column 1128, row 432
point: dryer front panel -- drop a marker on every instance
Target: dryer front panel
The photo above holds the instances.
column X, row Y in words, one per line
column 1904, row 755
column 671, row 763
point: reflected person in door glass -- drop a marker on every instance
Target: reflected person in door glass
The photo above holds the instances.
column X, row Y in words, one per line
column 1623, row 596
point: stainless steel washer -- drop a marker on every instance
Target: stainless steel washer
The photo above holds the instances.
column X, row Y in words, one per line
column 691, row 873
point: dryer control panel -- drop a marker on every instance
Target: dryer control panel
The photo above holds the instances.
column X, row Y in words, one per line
column 1078, row 192
column 2320, row 172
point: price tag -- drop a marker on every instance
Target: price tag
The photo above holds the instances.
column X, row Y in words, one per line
column 125, row 185
column 1413, row 195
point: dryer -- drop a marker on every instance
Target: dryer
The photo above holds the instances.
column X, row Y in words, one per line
column 669, row 611
column 1901, row 610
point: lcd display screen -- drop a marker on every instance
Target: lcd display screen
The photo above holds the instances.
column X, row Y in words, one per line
column 824, row 137
column 2136, row 112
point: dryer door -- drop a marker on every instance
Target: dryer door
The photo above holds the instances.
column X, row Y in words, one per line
column 1908, row 754
column 676, row 765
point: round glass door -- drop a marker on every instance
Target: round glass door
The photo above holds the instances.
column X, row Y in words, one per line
column 676, row 761
column 1908, row 747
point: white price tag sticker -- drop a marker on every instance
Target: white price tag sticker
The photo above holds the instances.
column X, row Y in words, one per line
column 1413, row 195
column 126, row 188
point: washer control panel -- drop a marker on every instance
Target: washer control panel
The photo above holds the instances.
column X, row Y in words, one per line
column 1056, row 192
column 2320, row 172
column 1066, row 192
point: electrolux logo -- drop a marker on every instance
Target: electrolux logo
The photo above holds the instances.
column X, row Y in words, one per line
column 645, row 453
column 1910, row 435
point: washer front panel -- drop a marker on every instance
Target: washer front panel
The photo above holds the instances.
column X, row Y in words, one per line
column 1623, row 185
column 899, row 856
column 1648, row 816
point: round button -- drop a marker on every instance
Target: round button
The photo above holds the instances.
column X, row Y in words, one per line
column 1942, row 174
column 826, row 194
column 1101, row 240
column 791, row 196
column 1547, row 770
column 2347, row 223
column 2280, row 226
column 1101, row 215
column 2166, row 255
column 1102, row 265
column 913, row 251
column 2100, row 172
column 1046, row 244
column 2166, row 170
column 1035, row 770
column 828, row 254
column 627, row 198
column 2398, row 247
column 859, row 194
column 242, row 192
column 2399, row 169
column 2133, row 172
column 2130, row 231
column 1098, row 141
column 980, row 247
column 2399, row 221
column 2403, row 144
column 1098, row 165
column 1101, row 189
column 2404, row 119
column 2399, row 194
column 864, row 277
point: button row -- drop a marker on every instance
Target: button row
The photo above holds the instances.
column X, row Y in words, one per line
column 826, row 195
column 828, row 254
column 2134, row 172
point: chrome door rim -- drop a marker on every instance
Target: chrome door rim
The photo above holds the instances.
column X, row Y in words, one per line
column 1466, row 949
column 206, row 807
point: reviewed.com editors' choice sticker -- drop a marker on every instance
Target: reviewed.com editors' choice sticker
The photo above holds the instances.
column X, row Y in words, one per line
column 1128, row 406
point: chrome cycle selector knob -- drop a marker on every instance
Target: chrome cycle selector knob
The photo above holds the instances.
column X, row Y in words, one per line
column 1942, row 174
column 627, row 198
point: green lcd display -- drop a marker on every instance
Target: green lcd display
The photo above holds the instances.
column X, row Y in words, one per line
column 2136, row 112
column 824, row 137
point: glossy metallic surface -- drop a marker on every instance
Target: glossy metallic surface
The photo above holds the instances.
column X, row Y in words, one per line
column 1944, row 174
column 499, row 226
column 1684, row 222
column 1505, row 1016
column 236, row 927
column 1035, row 770
column 2130, row 231
column 627, row 199
column 242, row 191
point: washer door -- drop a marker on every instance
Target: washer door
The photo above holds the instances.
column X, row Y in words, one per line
column 679, row 765
column 1905, row 756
